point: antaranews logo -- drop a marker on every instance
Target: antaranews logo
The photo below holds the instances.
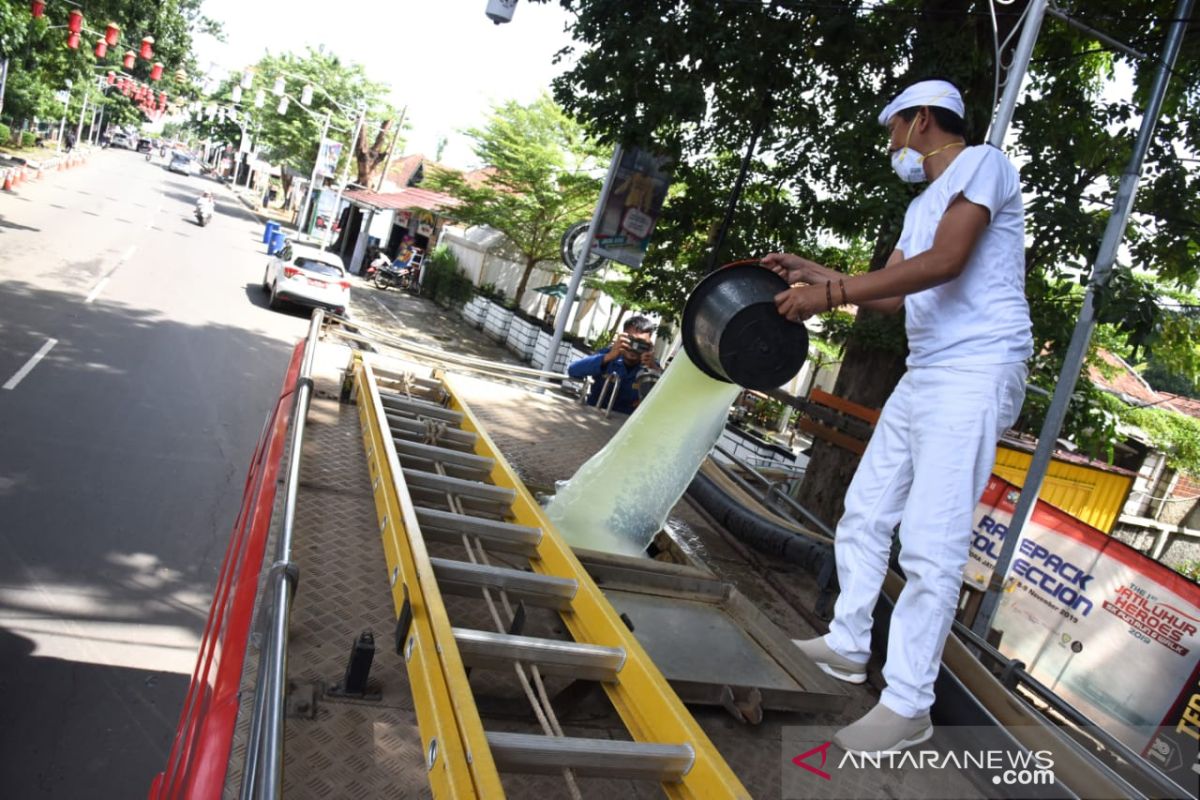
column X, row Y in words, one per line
column 816, row 768
column 822, row 750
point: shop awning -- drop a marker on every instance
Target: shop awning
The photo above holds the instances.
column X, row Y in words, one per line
column 410, row 198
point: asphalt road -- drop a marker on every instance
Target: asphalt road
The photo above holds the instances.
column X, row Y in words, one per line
column 122, row 455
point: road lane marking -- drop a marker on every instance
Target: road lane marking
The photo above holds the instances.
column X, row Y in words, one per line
column 30, row 364
column 154, row 213
column 128, row 254
column 99, row 286
column 388, row 310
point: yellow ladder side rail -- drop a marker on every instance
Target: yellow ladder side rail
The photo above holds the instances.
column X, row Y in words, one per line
column 447, row 717
column 647, row 704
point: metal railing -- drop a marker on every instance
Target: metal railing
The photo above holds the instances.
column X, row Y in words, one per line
column 353, row 332
column 262, row 776
column 771, row 494
column 199, row 754
column 1013, row 674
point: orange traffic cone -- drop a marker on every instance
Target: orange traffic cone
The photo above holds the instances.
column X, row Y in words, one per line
column 8, row 181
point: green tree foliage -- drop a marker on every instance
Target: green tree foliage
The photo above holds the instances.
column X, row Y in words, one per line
column 541, row 178
column 292, row 139
column 41, row 64
column 697, row 79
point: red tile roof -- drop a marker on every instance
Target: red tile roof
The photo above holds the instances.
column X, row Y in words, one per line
column 411, row 198
column 1133, row 388
column 1184, row 405
column 401, row 173
column 1122, row 380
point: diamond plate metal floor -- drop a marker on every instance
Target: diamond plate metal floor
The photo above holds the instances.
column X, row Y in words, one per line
column 339, row 748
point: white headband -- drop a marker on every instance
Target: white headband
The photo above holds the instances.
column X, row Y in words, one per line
column 925, row 93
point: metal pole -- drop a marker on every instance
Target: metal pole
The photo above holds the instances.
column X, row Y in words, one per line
column 283, row 574
column 1016, row 73
column 564, row 311
column 1077, row 349
column 337, row 203
column 312, row 183
column 82, row 114
column 737, row 192
column 62, row 127
column 3, row 83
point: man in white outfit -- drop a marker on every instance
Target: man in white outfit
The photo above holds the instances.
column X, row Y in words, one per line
column 959, row 273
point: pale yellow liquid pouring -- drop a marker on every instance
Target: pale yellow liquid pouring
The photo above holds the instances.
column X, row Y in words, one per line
column 621, row 496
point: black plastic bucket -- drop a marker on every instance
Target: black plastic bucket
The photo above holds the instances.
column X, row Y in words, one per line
column 733, row 332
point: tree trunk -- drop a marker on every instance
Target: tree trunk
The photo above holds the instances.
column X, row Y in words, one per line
column 368, row 159
column 612, row 332
column 869, row 374
column 520, row 291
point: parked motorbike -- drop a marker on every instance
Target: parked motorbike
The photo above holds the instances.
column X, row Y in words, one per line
column 392, row 275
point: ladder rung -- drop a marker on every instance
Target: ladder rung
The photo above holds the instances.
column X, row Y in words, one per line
column 524, row 752
column 502, row 536
column 429, row 452
column 386, row 376
column 459, row 486
column 412, row 430
column 590, row 662
column 420, row 408
column 461, row 577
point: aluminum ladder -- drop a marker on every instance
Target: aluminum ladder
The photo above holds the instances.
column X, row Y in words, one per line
column 437, row 476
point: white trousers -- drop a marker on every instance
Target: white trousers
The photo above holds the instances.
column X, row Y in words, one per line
column 925, row 468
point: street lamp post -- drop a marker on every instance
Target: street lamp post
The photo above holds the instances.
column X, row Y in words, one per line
column 316, row 168
column 337, row 203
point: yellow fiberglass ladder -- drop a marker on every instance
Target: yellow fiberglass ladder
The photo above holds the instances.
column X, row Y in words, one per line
column 437, row 478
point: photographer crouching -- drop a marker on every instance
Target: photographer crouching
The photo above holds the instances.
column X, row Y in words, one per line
column 629, row 355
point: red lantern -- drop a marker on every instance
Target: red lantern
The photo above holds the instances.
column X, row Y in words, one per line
column 39, row 9
column 75, row 21
column 111, row 78
column 112, row 34
column 101, row 48
column 73, row 41
column 156, row 71
column 162, row 99
column 129, row 59
column 148, row 48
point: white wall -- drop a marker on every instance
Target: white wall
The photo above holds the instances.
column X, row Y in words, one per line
column 474, row 249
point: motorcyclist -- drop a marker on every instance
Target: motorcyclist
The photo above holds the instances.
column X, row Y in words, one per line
column 205, row 205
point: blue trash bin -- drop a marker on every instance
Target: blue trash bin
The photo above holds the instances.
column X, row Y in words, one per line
column 271, row 228
column 276, row 243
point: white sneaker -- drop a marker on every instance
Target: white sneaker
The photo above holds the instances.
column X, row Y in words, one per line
column 882, row 730
column 830, row 662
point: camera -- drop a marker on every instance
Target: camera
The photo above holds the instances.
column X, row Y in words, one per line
column 638, row 346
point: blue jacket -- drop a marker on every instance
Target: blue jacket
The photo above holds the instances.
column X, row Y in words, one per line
column 627, row 393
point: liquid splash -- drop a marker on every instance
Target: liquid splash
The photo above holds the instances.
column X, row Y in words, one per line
column 620, row 498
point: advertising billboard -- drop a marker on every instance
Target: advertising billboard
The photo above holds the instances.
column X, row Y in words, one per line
column 1112, row 632
column 631, row 207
